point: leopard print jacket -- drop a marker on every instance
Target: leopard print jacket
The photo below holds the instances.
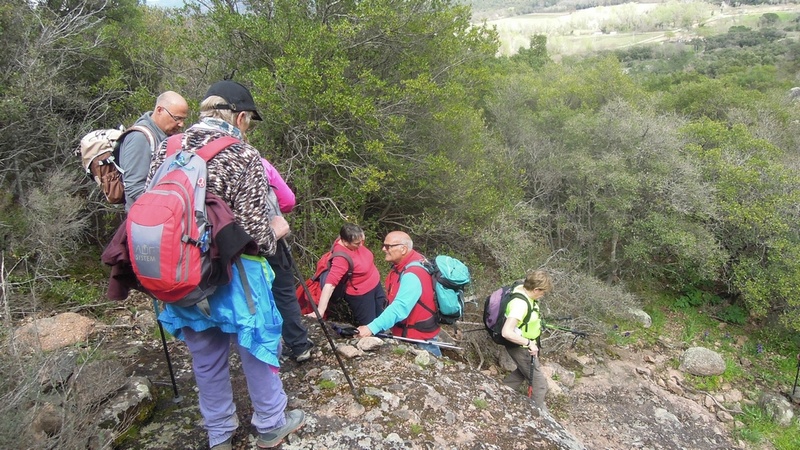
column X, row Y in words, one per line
column 237, row 176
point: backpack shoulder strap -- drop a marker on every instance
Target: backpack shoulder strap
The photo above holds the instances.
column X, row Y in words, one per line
column 421, row 264
column 346, row 258
column 208, row 151
column 512, row 295
column 348, row 276
column 142, row 129
column 147, row 133
column 173, row 144
column 211, row 149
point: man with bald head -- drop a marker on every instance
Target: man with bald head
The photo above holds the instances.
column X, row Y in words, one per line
column 166, row 119
column 411, row 310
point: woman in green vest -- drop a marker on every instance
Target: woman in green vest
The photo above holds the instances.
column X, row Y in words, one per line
column 524, row 333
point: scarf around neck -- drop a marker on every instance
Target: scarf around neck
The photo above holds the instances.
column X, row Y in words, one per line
column 219, row 124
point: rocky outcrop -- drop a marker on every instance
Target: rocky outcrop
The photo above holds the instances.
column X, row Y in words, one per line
column 604, row 397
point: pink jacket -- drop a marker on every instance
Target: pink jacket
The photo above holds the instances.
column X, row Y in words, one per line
column 286, row 199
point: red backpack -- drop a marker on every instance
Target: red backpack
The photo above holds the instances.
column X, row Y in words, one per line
column 169, row 236
column 315, row 283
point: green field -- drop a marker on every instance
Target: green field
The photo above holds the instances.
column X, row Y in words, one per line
column 615, row 27
column 570, row 45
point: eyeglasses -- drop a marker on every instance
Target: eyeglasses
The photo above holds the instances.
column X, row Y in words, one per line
column 388, row 246
column 177, row 119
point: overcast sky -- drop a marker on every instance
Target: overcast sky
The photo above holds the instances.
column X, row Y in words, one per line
column 166, row 3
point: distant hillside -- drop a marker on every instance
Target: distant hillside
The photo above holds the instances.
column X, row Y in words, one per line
column 493, row 9
column 618, row 27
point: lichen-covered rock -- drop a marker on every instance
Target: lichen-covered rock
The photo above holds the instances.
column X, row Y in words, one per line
column 777, row 407
column 133, row 404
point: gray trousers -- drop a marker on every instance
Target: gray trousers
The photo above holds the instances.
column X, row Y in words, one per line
column 522, row 358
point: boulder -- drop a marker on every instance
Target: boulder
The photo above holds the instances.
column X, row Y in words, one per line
column 50, row 333
column 777, row 408
column 47, row 419
column 701, row 361
column 641, row 316
column 134, row 403
column 97, row 381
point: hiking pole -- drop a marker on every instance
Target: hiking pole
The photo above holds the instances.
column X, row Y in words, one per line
column 794, row 389
column 348, row 331
column 576, row 333
column 419, row 341
column 282, row 243
column 177, row 398
column 530, row 379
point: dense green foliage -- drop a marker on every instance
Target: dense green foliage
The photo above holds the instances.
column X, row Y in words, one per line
column 671, row 166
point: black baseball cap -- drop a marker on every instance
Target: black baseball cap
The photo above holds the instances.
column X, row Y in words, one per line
column 238, row 97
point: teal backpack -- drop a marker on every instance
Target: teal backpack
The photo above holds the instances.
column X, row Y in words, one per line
column 450, row 277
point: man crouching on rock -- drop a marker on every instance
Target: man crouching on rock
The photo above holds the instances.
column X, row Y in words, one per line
column 409, row 291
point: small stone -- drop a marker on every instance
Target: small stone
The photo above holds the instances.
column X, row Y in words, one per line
column 724, row 416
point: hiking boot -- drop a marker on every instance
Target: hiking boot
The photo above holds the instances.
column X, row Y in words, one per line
column 294, row 420
column 306, row 354
column 226, row 445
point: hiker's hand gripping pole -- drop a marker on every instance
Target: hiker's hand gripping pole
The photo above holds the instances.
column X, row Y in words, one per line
column 283, row 245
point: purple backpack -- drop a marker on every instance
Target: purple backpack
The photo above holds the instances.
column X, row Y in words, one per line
column 494, row 309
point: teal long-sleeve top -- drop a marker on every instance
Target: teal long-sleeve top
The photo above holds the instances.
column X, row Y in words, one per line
column 408, row 294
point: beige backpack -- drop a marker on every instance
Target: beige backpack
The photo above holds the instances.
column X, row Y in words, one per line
column 99, row 151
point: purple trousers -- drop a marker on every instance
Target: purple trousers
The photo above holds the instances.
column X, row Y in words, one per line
column 210, row 360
